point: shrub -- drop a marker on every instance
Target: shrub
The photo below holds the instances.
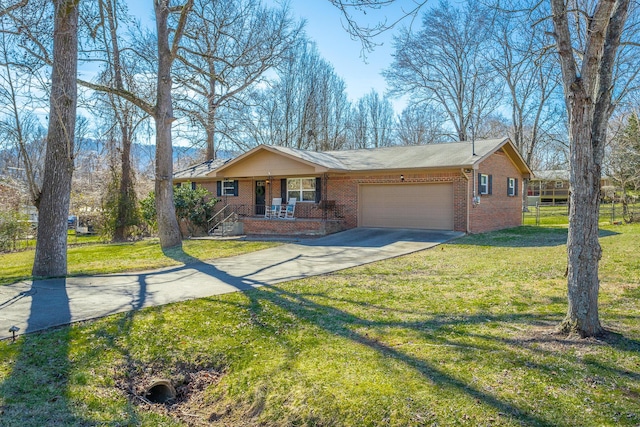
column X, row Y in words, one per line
column 12, row 227
column 193, row 209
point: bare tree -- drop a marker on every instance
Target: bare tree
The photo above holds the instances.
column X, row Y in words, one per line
column 19, row 126
column 372, row 122
column 531, row 79
column 53, row 203
column 444, row 65
column 419, row 125
column 120, row 73
column 623, row 159
column 306, row 106
column 587, row 38
column 161, row 110
column 228, row 48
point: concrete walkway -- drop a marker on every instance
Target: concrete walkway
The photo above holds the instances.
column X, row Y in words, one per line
column 41, row 304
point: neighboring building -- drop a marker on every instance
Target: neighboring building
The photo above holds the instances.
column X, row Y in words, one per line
column 552, row 187
column 436, row 186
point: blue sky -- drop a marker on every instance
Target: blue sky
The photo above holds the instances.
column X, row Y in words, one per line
column 324, row 26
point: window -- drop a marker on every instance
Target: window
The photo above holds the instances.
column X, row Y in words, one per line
column 303, row 189
column 512, row 187
column 559, row 184
column 484, row 183
column 227, row 188
column 193, row 185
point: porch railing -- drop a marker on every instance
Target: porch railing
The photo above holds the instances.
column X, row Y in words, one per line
column 326, row 210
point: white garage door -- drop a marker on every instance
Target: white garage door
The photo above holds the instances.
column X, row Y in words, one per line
column 427, row 206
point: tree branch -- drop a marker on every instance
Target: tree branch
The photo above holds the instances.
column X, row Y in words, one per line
column 129, row 96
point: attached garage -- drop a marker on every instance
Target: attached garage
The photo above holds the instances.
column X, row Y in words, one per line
column 422, row 206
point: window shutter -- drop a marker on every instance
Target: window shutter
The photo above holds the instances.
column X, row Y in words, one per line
column 489, row 191
column 235, row 187
column 283, row 189
column 318, row 190
column 218, row 188
column 479, row 184
column 515, row 188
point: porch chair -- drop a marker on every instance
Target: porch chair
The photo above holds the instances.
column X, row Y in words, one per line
column 273, row 211
column 289, row 210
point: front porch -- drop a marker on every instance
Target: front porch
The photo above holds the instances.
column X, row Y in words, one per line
column 310, row 219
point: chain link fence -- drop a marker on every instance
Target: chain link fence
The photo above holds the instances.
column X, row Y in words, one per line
column 613, row 212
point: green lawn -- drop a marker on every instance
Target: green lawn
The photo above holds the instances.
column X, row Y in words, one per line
column 457, row 335
column 559, row 214
column 99, row 258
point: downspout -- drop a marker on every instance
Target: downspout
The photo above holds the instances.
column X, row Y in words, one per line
column 464, row 174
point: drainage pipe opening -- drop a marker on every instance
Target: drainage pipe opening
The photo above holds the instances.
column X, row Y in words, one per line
column 161, row 391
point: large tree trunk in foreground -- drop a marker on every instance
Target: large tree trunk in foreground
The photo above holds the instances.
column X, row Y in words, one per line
column 588, row 89
column 168, row 228
column 583, row 247
column 53, row 203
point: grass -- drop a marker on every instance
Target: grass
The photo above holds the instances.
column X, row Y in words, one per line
column 457, row 335
column 99, row 258
column 559, row 214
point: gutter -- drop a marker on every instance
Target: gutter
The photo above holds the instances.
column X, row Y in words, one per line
column 464, row 174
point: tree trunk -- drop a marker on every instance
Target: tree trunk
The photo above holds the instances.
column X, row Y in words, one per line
column 127, row 200
column 168, row 229
column 583, row 246
column 211, row 113
column 587, row 92
column 127, row 196
column 53, row 203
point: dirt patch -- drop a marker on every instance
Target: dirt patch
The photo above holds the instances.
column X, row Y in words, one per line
column 190, row 405
column 548, row 338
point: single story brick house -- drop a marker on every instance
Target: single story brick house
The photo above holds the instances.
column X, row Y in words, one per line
column 457, row 186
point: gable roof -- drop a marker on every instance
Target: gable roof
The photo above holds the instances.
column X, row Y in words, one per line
column 431, row 156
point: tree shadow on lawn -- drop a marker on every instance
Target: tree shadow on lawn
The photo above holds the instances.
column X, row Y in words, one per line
column 546, row 341
column 341, row 323
column 523, row 236
column 41, row 367
column 439, row 329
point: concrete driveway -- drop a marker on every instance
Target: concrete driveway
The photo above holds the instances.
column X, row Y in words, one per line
column 41, row 304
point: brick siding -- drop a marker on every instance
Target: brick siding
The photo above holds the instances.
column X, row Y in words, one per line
column 496, row 210
column 291, row 227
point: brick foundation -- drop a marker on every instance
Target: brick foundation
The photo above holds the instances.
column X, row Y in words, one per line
column 291, row 227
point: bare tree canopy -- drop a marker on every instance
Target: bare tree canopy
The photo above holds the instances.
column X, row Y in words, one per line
column 228, row 49
column 444, row 65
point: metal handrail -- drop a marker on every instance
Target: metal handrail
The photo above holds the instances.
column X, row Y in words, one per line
column 217, row 213
column 223, row 221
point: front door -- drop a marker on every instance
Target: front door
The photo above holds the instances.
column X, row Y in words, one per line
column 260, row 197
